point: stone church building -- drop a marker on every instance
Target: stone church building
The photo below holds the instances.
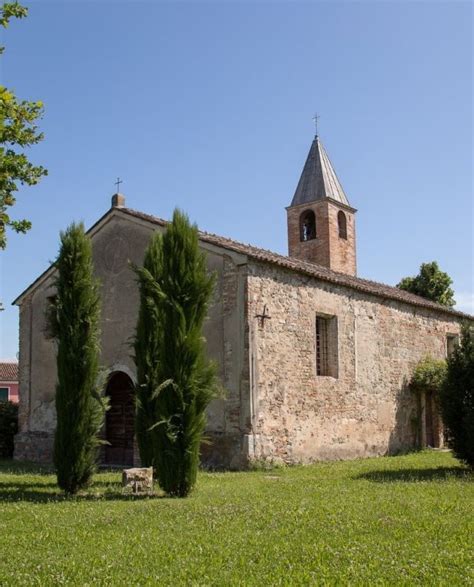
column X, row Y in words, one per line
column 315, row 361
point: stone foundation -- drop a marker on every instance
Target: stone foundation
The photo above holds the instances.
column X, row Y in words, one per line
column 36, row 447
column 219, row 451
column 222, row 452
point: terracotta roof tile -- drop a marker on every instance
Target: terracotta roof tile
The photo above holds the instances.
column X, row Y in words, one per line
column 311, row 269
column 292, row 264
column 8, row 371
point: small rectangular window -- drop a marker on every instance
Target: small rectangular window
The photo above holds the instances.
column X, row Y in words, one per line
column 4, row 394
column 326, row 346
column 452, row 341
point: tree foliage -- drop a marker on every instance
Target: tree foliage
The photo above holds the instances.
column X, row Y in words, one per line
column 457, row 398
column 176, row 381
column 8, row 428
column 73, row 319
column 428, row 376
column 430, row 283
column 18, row 130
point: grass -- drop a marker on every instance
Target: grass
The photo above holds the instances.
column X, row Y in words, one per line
column 396, row 520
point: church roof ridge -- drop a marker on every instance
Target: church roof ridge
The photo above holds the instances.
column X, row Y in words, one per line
column 311, row 269
column 290, row 263
column 318, row 179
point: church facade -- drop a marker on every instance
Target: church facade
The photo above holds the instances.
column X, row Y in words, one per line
column 315, row 362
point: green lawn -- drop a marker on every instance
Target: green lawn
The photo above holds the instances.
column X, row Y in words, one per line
column 395, row 520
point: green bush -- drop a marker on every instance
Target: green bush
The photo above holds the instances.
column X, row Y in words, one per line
column 429, row 376
column 176, row 381
column 8, row 428
column 457, row 398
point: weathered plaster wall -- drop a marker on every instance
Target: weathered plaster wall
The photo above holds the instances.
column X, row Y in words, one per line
column 367, row 410
column 119, row 241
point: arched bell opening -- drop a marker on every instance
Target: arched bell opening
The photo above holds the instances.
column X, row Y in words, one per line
column 307, row 226
column 119, row 420
column 342, row 224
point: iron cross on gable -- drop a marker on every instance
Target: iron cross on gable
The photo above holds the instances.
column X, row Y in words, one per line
column 264, row 316
column 117, row 183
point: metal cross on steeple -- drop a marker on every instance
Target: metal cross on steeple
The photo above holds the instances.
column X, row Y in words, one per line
column 117, row 183
column 316, row 117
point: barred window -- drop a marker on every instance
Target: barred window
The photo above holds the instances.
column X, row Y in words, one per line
column 326, row 346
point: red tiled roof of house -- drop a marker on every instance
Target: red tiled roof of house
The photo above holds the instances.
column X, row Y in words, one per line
column 8, row 371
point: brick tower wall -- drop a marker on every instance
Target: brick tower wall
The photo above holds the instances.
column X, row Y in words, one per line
column 327, row 249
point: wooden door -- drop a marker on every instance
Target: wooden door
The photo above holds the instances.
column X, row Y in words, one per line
column 119, row 421
column 429, row 420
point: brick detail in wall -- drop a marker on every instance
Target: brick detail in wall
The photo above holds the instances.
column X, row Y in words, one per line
column 327, row 249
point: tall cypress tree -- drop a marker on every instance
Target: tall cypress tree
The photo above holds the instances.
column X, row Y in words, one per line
column 74, row 315
column 176, row 381
column 147, row 346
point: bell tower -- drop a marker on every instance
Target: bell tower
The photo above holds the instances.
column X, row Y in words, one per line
column 321, row 222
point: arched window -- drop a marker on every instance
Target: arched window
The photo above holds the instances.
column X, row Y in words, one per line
column 307, row 226
column 342, row 224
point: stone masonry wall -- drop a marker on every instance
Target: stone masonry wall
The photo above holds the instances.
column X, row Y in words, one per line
column 368, row 409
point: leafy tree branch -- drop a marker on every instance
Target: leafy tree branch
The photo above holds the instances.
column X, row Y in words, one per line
column 18, row 131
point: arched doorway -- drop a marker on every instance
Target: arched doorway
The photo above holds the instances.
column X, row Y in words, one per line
column 119, row 420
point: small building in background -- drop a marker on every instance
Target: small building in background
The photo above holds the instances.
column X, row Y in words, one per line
column 9, row 381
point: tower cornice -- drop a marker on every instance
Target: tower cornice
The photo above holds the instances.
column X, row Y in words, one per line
column 330, row 200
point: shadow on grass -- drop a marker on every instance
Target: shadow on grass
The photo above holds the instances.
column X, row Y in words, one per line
column 32, row 496
column 28, row 490
column 415, row 475
column 24, row 467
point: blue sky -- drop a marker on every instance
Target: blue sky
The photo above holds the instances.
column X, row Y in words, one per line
column 208, row 106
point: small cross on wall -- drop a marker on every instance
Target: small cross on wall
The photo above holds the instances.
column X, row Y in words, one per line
column 263, row 316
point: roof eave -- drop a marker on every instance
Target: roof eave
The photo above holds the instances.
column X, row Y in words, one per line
column 19, row 299
column 326, row 199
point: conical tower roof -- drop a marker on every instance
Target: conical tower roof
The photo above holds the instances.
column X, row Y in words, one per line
column 318, row 180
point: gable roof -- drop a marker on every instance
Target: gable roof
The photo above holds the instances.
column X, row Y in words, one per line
column 8, row 371
column 318, row 179
column 311, row 269
column 263, row 255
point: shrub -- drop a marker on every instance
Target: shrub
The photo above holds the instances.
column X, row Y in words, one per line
column 429, row 376
column 176, row 381
column 457, row 398
column 74, row 316
column 8, row 428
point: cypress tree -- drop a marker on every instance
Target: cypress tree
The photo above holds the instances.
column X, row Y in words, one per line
column 74, row 315
column 176, row 381
column 147, row 345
